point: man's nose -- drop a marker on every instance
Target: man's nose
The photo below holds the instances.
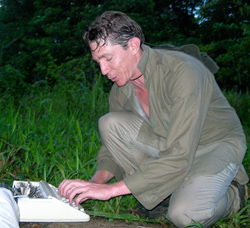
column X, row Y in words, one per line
column 104, row 68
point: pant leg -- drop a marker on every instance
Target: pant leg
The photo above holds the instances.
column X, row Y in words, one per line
column 205, row 199
column 118, row 131
column 9, row 211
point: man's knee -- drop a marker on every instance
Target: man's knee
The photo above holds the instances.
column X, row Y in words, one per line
column 108, row 122
column 103, row 122
column 182, row 215
column 119, row 123
column 178, row 214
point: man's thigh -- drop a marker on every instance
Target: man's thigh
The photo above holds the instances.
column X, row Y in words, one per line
column 119, row 131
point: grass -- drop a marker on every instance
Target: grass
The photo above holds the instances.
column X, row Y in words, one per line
column 52, row 134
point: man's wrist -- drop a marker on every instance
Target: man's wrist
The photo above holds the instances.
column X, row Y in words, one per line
column 119, row 188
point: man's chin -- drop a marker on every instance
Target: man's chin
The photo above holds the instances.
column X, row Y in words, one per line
column 120, row 84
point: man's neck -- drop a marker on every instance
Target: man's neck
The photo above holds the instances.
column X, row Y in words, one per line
column 139, row 83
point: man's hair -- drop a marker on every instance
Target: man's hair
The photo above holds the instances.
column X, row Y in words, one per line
column 116, row 27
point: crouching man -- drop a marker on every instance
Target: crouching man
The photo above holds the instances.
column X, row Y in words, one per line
column 169, row 132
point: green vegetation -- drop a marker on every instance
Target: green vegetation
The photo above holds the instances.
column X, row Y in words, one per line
column 54, row 131
column 52, row 134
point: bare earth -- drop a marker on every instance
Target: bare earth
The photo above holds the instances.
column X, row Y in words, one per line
column 96, row 222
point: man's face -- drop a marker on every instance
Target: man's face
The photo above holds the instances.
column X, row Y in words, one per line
column 117, row 63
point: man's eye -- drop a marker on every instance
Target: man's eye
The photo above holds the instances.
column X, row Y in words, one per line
column 109, row 59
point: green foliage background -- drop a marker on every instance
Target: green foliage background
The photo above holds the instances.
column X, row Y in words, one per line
column 42, row 40
column 52, row 94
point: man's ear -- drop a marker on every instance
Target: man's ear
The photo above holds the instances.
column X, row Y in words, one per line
column 134, row 43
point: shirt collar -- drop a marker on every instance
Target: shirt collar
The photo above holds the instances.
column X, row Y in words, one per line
column 144, row 59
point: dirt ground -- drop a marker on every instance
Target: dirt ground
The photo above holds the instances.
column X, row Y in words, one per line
column 96, row 222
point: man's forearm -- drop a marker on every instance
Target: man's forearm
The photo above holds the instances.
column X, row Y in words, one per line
column 101, row 177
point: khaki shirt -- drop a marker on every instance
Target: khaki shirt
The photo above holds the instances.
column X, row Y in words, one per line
column 189, row 119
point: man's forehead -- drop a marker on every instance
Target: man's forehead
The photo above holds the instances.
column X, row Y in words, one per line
column 99, row 51
column 98, row 46
column 102, row 49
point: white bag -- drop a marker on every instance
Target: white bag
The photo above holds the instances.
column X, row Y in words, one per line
column 9, row 211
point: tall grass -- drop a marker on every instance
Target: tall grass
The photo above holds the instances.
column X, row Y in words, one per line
column 52, row 134
column 241, row 103
column 57, row 132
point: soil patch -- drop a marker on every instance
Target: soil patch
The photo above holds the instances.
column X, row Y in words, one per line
column 96, row 222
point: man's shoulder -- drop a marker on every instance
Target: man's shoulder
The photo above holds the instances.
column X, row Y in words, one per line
column 187, row 52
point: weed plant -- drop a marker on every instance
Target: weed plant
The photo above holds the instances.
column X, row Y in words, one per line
column 51, row 134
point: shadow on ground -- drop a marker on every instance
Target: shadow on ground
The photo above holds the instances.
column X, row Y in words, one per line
column 96, row 222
